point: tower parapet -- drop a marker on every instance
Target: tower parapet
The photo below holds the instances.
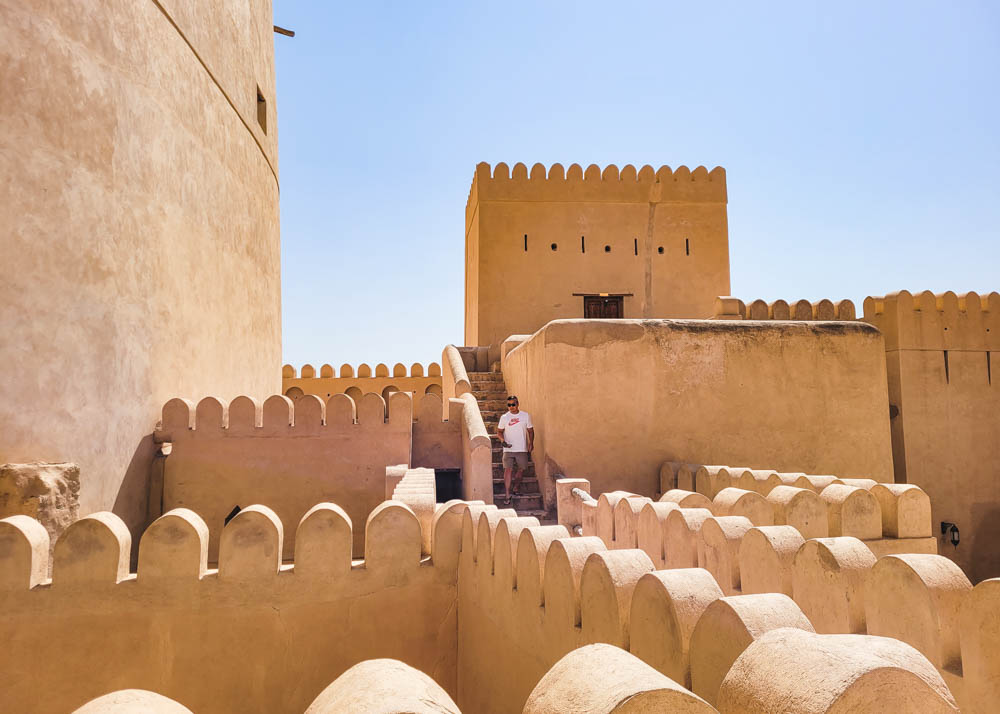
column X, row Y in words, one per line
column 943, row 321
column 629, row 185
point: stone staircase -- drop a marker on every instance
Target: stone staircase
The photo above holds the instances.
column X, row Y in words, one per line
column 490, row 391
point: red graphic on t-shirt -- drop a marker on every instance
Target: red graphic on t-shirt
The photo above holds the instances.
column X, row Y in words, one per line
column 512, row 422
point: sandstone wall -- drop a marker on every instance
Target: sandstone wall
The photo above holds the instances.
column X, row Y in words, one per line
column 139, row 226
column 611, row 401
column 530, row 595
column 290, row 455
column 943, row 364
column 251, row 636
column 382, row 380
column 533, row 240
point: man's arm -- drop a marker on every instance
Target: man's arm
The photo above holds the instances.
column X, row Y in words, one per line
column 531, row 438
column 503, row 441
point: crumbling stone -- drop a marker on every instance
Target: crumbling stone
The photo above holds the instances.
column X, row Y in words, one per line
column 49, row 493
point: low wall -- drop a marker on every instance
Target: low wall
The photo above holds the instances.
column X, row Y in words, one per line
column 611, row 400
column 252, row 636
column 888, row 582
column 530, row 594
column 437, row 443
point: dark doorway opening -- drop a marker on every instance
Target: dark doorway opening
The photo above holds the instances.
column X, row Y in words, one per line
column 448, row 483
column 610, row 307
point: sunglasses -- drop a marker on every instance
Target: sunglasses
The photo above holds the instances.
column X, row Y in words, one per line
column 511, row 404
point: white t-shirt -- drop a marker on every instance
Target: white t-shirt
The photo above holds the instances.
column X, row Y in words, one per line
column 515, row 430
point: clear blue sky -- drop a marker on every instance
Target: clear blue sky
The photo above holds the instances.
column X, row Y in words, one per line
column 860, row 139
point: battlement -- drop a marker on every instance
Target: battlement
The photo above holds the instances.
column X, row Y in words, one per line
column 645, row 185
column 94, row 551
column 363, row 371
column 689, row 622
column 267, row 610
column 944, row 321
column 730, row 308
column 278, row 415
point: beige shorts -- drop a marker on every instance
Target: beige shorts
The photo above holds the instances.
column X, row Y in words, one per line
column 521, row 457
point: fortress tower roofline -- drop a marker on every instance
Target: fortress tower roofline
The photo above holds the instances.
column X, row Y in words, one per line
column 645, row 185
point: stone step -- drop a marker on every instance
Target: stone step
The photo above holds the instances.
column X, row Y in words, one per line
column 530, row 469
column 481, row 394
column 493, row 382
column 493, row 405
column 498, row 472
column 528, row 485
column 523, row 504
column 492, row 414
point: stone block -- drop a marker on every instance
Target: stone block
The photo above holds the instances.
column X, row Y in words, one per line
column 47, row 492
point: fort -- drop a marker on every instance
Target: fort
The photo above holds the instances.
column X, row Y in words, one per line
column 791, row 505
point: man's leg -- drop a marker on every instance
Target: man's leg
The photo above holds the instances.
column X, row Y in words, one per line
column 520, row 464
column 508, row 464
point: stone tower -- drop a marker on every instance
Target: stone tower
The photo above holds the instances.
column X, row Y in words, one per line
column 629, row 244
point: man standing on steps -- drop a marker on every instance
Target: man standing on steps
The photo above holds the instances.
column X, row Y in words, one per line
column 518, row 438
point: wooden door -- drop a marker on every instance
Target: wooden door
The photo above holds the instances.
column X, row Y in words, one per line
column 596, row 307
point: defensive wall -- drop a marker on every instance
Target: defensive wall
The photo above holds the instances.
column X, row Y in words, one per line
column 358, row 382
column 779, row 394
column 495, row 608
column 252, row 635
column 140, row 220
column 942, row 356
column 810, row 624
column 537, row 243
column 293, row 454
column 730, row 308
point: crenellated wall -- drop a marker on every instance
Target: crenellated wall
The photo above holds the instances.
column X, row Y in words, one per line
column 530, row 595
column 498, row 612
column 251, row 636
column 288, row 454
column 848, row 579
column 138, row 227
column 612, row 400
column 657, row 238
column 943, row 365
column 730, row 308
column 382, row 380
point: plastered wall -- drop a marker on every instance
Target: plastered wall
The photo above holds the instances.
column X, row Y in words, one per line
column 943, row 365
column 290, row 455
column 531, row 594
column 138, row 224
column 823, row 622
column 661, row 237
column 346, row 380
column 250, row 636
column 868, row 571
column 612, row 400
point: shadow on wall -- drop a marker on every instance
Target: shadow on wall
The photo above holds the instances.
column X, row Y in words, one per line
column 986, row 526
column 132, row 501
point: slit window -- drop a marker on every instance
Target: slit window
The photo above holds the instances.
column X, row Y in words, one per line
column 554, row 246
column 635, row 244
column 660, row 250
column 607, row 249
column 525, row 242
column 261, row 110
column 687, row 246
column 583, row 245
